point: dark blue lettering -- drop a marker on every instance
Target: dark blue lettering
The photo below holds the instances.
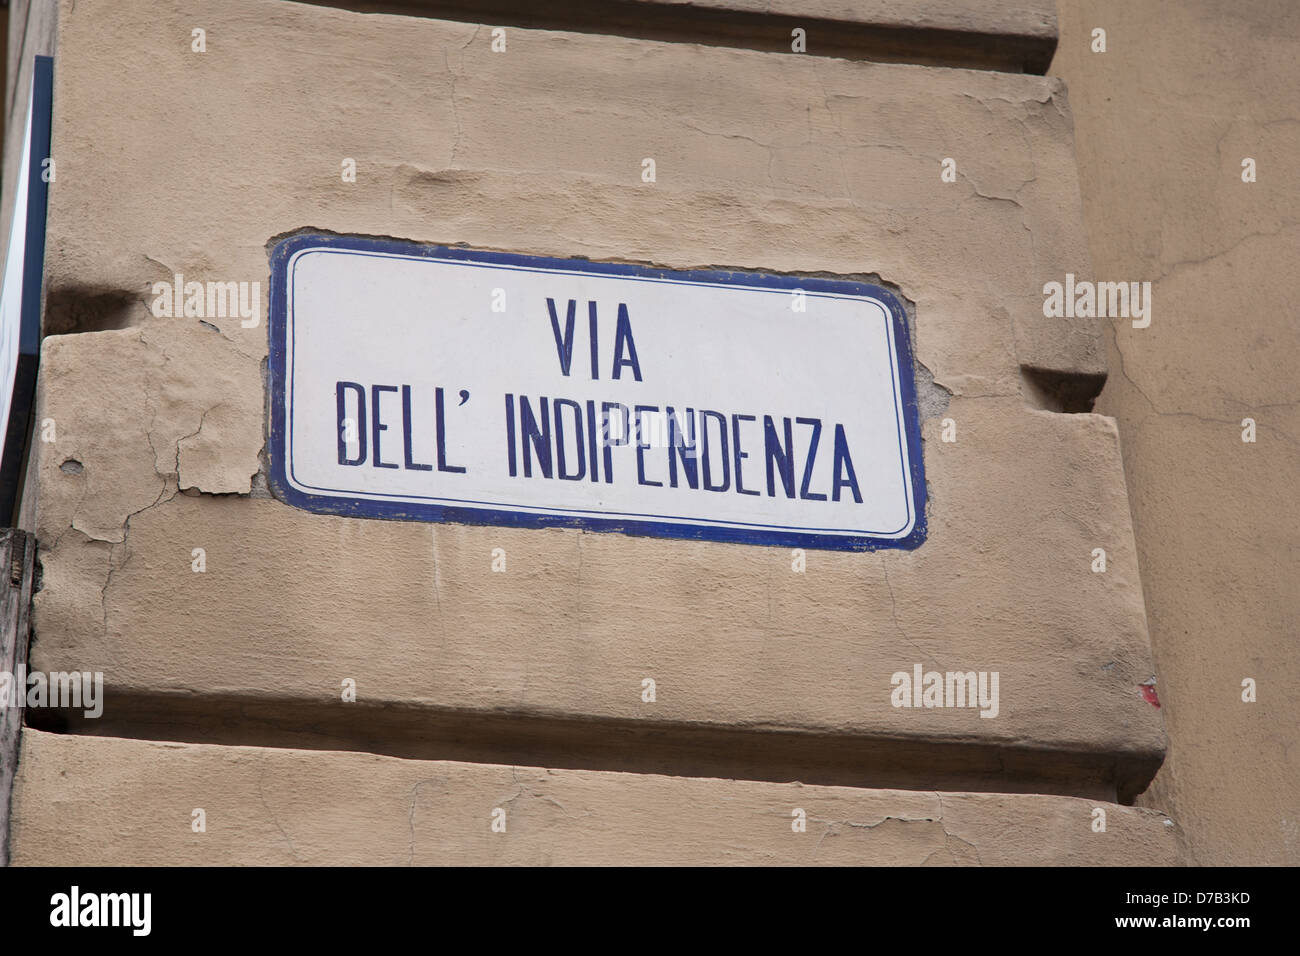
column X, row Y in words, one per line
column 563, row 347
column 359, row 424
column 842, row 460
column 558, row 404
column 625, row 419
column 591, row 439
column 737, row 454
column 705, row 417
column 377, row 426
column 782, row 456
column 804, row 493
column 411, row 463
column 678, row 449
column 622, row 340
column 442, row 435
column 642, row 444
column 510, row 433
column 537, row 435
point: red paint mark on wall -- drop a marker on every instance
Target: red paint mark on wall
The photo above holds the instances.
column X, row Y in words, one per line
column 1149, row 694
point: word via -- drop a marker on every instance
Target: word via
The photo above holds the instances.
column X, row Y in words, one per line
column 624, row 344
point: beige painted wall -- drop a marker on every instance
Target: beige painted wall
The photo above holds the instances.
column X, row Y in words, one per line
column 86, row 801
column 1163, row 119
column 786, row 163
column 765, row 161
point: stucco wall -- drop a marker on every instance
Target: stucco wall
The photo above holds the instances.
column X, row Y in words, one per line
column 766, row 161
column 1164, row 118
column 276, row 807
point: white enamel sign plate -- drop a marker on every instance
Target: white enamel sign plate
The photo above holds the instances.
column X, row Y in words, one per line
column 447, row 384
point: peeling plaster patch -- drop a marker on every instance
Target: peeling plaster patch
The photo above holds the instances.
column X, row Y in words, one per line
column 931, row 397
column 140, row 412
column 260, row 487
column 199, row 459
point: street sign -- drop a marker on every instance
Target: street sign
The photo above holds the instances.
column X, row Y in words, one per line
column 448, row 384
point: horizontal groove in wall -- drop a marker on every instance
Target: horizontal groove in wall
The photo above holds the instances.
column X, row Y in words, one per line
column 676, row 23
column 631, row 746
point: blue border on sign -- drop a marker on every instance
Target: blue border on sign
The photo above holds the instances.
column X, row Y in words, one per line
column 38, row 198
column 408, row 510
column 17, row 430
